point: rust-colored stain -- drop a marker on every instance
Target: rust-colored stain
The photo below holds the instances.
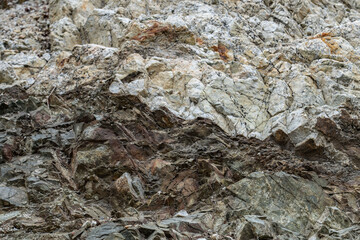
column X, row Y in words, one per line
column 199, row 41
column 84, row 5
column 322, row 35
column 327, row 38
column 156, row 29
column 222, row 50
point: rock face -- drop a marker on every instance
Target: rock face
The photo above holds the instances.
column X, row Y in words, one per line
column 180, row 119
column 252, row 68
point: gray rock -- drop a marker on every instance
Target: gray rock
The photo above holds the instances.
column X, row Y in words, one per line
column 14, row 196
column 248, row 71
column 7, row 74
column 150, row 72
column 64, row 35
column 105, row 27
column 103, row 231
column 292, row 202
column 313, row 49
column 24, row 60
column 9, row 215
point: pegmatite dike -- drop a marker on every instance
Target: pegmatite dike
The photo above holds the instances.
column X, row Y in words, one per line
column 255, row 68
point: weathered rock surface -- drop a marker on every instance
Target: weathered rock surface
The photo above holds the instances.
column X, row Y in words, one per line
column 252, row 68
column 292, row 202
column 179, row 119
column 7, row 74
column 13, row 196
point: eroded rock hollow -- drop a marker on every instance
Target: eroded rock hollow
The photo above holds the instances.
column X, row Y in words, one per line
column 195, row 119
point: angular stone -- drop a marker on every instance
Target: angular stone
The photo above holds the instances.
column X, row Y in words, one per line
column 9, row 215
column 7, row 74
column 104, row 230
column 313, row 49
column 280, row 98
column 14, row 196
column 64, row 35
column 93, row 157
column 128, row 186
column 25, row 60
column 288, row 200
column 105, row 27
column 256, row 227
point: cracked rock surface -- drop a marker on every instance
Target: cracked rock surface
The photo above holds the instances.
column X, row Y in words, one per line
column 203, row 119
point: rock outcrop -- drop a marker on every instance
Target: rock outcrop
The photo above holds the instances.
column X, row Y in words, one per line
column 254, row 68
column 206, row 119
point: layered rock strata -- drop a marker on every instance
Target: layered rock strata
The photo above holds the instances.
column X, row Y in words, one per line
column 179, row 119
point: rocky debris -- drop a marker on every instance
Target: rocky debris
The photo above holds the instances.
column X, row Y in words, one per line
column 179, row 119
